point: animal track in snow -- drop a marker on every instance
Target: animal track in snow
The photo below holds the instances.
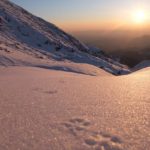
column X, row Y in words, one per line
column 51, row 92
column 103, row 141
column 46, row 92
column 76, row 125
column 94, row 140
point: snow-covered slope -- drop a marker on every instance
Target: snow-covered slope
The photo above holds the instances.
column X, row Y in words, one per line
column 55, row 95
column 142, row 65
column 28, row 40
column 43, row 109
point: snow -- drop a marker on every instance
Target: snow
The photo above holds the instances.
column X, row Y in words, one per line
column 48, row 109
column 21, row 31
column 56, row 93
column 142, row 65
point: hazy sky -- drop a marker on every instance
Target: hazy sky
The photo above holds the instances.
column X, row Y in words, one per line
column 89, row 14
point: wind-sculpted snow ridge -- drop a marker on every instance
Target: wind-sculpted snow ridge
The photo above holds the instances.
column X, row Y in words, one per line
column 27, row 34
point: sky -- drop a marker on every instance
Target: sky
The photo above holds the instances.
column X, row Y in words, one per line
column 91, row 14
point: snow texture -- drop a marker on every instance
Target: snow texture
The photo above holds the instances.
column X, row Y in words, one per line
column 56, row 93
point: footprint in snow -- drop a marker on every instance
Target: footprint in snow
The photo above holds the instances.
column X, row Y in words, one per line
column 103, row 141
column 76, row 125
column 94, row 140
column 51, row 92
column 47, row 92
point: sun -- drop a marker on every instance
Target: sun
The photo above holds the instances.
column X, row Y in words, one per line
column 139, row 16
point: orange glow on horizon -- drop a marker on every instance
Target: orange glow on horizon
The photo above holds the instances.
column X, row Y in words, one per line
column 89, row 25
column 129, row 20
column 102, row 25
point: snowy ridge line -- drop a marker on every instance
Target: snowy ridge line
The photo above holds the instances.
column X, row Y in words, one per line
column 26, row 33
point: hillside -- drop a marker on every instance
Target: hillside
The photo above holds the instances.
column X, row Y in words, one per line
column 21, row 33
column 143, row 64
column 56, row 93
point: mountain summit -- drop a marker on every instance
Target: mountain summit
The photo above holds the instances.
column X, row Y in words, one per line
column 29, row 40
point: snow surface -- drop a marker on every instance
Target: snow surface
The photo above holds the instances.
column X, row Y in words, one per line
column 42, row 109
column 142, row 65
column 56, row 93
column 22, row 32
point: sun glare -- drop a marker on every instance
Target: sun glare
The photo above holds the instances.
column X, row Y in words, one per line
column 139, row 16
